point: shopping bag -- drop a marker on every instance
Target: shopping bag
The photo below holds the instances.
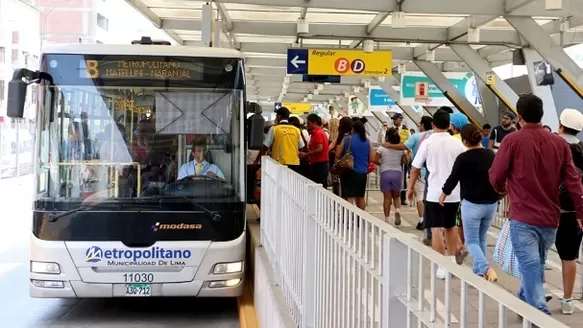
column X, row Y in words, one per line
column 504, row 253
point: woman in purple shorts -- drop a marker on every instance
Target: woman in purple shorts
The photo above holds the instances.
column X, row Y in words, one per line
column 391, row 169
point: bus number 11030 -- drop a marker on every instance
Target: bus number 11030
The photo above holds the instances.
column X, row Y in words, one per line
column 138, row 277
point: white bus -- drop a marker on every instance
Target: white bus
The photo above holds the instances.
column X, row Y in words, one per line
column 116, row 214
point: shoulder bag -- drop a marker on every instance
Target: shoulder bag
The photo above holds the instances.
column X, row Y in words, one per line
column 345, row 163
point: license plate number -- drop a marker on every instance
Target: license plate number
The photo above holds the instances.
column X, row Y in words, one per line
column 138, row 290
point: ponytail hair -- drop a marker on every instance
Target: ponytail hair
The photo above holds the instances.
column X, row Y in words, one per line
column 471, row 134
column 358, row 128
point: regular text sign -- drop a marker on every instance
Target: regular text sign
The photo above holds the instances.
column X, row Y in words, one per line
column 349, row 62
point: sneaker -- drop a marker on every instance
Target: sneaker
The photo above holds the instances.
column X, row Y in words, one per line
column 397, row 218
column 420, row 225
column 567, row 306
column 426, row 241
column 491, row 275
column 461, row 256
column 441, row 273
column 548, row 295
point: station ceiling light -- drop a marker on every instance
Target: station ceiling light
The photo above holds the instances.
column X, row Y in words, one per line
column 553, row 4
column 303, row 26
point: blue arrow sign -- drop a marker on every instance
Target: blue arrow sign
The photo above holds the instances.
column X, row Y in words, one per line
column 297, row 61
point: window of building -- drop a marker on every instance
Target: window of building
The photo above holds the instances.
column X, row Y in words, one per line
column 102, row 22
column 2, row 90
column 2, row 55
column 15, row 37
column 15, row 55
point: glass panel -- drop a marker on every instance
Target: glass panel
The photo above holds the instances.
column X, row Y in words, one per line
column 132, row 134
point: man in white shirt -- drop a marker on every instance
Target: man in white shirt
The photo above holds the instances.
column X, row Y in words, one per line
column 199, row 166
column 438, row 154
column 382, row 132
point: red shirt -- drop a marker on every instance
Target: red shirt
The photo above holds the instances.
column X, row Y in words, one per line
column 318, row 137
column 533, row 163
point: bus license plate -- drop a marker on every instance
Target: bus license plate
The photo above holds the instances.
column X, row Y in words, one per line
column 138, row 290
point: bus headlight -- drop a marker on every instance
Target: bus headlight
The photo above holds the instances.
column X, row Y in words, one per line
column 222, row 268
column 45, row 267
column 224, row 283
column 48, row 284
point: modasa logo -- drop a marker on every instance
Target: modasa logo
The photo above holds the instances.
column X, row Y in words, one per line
column 177, row 226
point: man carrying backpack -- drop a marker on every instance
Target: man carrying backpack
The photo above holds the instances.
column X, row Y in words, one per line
column 569, row 234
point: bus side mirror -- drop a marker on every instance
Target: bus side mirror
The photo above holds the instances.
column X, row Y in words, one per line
column 16, row 98
column 256, row 124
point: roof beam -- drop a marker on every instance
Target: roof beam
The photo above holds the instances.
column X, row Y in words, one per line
column 351, row 32
column 374, row 23
column 140, row 7
column 449, row 7
column 512, row 5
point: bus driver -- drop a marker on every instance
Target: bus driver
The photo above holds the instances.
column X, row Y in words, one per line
column 199, row 166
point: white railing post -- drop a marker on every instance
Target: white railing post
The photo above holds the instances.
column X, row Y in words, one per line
column 309, row 259
column 277, row 212
column 399, row 270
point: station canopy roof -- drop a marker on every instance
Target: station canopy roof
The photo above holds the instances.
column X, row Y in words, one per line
column 263, row 30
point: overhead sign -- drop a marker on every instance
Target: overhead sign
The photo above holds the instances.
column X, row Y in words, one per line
column 339, row 62
column 377, row 97
column 490, row 78
column 296, row 108
column 464, row 82
column 297, row 61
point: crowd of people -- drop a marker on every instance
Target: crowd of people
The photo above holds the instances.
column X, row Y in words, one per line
column 459, row 172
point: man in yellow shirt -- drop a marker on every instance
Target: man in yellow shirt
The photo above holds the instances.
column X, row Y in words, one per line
column 284, row 140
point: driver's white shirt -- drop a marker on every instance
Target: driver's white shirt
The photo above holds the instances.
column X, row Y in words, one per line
column 190, row 168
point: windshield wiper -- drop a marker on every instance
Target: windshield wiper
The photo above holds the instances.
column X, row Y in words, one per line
column 213, row 214
column 53, row 217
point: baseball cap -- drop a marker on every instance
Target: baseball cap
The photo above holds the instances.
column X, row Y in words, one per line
column 572, row 119
column 397, row 116
column 283, row 111
column 510, row 115
column 458, row 120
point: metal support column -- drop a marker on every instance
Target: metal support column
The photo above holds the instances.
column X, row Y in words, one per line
column 551, row 115
column 450, row 92
column 207, row 25
column 490, row 105
column 387, row 86
column 552, row 52
column 483, row 71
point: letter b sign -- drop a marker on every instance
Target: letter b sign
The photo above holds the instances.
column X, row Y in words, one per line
column 343, row 65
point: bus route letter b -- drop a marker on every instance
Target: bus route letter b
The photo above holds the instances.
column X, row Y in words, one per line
column 342, row 65
column 92, row 68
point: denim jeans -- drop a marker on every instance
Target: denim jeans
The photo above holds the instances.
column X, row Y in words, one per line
column 477, row 219
column 531, row 245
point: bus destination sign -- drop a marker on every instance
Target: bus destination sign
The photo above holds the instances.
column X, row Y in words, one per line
column 135, row 69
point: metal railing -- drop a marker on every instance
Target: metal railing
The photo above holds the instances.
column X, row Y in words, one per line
column 337, row 266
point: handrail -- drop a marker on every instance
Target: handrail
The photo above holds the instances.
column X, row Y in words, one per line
column 320, row 248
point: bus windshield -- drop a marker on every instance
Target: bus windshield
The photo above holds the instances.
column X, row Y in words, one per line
column 154, row 128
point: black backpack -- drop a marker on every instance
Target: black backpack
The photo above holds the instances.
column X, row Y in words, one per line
column 565, row 201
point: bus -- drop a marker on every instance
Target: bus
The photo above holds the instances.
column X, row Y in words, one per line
column 139, row 164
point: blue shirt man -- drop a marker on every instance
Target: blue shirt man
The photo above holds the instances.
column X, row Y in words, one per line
column 199, row 166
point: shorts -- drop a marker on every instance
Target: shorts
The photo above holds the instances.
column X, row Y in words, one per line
column 391, row 180
column 441, row 216
column 419, row 189
column 569, row 236
column 353, row 184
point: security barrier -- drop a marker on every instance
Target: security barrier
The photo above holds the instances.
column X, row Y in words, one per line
column 337, row 266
